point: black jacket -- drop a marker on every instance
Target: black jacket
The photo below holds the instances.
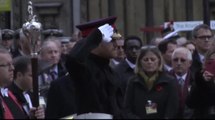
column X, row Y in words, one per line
column 94, row 80
column 184, row 111
column 18, row 93
column 61, row 98
column 202, row 98
column 164, row 93
column 125, row 73
column 196, row 64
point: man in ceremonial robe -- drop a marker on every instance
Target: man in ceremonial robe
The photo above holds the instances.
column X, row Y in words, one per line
column 10, row 107
column 22, row 85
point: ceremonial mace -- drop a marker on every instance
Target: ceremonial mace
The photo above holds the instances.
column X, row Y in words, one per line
column 32, row 30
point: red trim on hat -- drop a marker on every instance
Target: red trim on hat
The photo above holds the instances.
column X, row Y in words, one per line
column 86, row 32
column 88, row 27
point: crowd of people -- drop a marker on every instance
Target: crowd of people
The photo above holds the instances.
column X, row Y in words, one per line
column 102, row 71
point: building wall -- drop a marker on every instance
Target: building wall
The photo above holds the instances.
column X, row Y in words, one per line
column 132, row 14
column 135, row 14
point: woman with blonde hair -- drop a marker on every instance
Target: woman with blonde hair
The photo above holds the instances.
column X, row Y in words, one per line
column 151, row 93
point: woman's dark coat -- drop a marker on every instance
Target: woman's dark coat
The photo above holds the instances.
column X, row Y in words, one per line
column 164, row 93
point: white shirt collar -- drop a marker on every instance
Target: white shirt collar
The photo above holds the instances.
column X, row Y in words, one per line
column 131, row 65
column 115, row 62
column 55, row 68
column 168, row 68
column 28, row 99
column 202, row 57
column 4, row 92
column 183, row 76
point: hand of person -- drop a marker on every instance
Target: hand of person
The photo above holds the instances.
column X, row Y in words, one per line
column 107, row 32
column 38, row 113
column 208, row 76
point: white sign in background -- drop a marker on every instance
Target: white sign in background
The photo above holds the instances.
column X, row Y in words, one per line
column 189, row 25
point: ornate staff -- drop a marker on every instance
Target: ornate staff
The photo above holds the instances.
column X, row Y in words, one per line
column 32, row 30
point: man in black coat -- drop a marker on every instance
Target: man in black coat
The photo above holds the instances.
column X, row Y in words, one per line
column 203, row 38
column 11, row 108
column 125, row 69
column 61, row 98
column 50, row 53
column 181, row 62
column 88, row 66
column 167, row 47
column 201, row 97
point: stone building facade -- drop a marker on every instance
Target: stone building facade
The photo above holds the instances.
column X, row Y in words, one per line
column 132, row 14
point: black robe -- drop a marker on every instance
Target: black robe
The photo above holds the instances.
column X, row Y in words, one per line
column 18, row 93
column 13, row 106
column 94, row 80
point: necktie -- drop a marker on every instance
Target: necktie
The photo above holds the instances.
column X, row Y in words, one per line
column 181, row 83
column 4, row 92
column 53, row 75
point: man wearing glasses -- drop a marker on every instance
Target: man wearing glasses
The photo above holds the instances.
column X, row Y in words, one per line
column 181, row 62
column 203, row 39
column 10, row 107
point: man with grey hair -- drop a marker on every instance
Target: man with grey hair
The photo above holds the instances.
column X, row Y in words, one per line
column 181, row 62
column 10, row 107
column 50, row 55
column 203, row 39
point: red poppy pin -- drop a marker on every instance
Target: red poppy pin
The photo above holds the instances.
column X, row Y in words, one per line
column 159, row 88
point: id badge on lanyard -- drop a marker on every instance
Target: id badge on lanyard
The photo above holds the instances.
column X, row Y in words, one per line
column 151, row 108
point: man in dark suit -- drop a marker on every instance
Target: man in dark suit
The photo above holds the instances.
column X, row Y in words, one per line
column 125, row 69
column 167, row 46
column 203, row 38
column 22, row 86
column 181, row 62
column 121, row 55
column 10, row 106
column 50, row 53
column 10, row 102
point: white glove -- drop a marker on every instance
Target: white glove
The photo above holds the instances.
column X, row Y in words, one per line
column 107, row 32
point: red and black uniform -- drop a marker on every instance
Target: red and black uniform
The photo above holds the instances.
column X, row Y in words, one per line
column 11, row 108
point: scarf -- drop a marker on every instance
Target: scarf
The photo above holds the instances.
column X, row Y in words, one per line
column 149, row 80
